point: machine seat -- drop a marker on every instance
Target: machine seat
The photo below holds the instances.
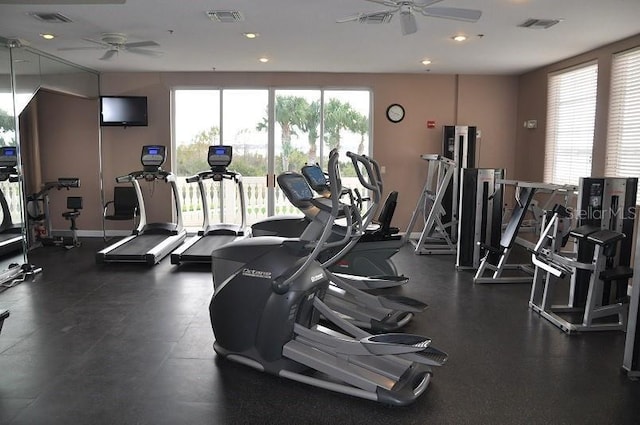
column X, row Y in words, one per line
column 583, row 232
column 605, row 237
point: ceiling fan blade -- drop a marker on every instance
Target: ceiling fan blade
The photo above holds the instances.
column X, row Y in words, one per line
column 49, row 2
column 141, row 44
column 79, row 48
column 467, row 15
column 381, row 17
column 389, row 3
column 109, row 54
column 101, row 43
column 349, row 19
column 408, row 23
column 145, row 52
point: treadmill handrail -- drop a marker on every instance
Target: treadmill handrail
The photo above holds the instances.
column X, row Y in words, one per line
column 158, row 174
column 227, row 174
column 211, row 174
column 146, row 175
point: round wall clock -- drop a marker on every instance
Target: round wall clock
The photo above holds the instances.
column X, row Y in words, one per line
column 395, row 112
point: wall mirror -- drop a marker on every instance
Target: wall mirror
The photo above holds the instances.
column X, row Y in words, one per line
column 35, row 93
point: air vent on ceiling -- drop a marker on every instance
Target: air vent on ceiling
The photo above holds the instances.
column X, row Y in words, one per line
column 376, row 18
column 225, row 16
column 534, row 23
column 50, row 17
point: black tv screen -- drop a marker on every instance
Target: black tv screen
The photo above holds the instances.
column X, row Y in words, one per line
column 125, row 111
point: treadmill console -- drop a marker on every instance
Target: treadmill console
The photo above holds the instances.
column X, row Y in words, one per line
column 153, row 155
column 219, row 156
column 8, row 156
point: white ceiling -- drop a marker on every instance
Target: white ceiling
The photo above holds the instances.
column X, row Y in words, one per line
column 302, row 35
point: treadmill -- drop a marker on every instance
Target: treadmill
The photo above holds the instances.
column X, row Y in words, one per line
column 10, row 234
column 198, row 249
column 150, row 242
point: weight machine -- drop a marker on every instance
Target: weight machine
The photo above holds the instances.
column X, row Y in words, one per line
column 495, row 262
column 435, row 237
column 480, row 221
column 459, row 145
column 438, row 203
column 38, row 212
column 599, row 266
column 631, row 359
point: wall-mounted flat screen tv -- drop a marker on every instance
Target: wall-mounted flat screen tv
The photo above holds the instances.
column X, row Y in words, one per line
column 124, row 111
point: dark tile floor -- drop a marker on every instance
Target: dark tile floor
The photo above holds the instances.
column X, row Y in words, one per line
column 128, row 344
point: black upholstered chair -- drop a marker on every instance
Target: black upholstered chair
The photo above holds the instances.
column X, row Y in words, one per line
column 124, row 206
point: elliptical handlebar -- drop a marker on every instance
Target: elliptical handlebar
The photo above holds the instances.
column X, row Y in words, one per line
column 366, row 162
column 333, row 169
column 362, row 220
column 378, row 174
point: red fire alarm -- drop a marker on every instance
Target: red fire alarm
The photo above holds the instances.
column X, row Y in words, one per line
column 431, row 124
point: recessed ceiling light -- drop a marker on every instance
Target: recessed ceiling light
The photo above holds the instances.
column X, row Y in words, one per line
column 459, row 37
column 426, row 62
column 264, row 60
column 251, row 35
column 48, row 36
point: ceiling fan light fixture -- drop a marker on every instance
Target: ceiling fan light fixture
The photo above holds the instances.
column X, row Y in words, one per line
column 407, row 21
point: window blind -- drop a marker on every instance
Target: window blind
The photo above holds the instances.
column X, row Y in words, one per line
column 571, row 111
column 623, row 135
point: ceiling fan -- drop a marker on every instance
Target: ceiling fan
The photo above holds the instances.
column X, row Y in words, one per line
column 115, row 43
column 407, row 10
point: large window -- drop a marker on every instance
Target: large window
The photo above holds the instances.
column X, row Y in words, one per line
column 623, row 138
column 271, row 131
column 571, row 111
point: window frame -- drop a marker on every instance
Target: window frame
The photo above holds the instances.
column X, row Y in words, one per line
column 571, row 115
column 623, row 136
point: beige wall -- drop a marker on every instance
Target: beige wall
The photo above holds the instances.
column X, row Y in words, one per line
column 69, row 140
column 68, row 144
column 486, row 101
column 532, row 104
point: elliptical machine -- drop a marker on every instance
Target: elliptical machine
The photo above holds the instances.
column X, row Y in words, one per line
column 379, row 313
column 268, row 299
column 373, row 248
column 365, row 262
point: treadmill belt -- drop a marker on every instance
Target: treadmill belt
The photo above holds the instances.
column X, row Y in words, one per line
column 10, row 242
column 8, row 236
column 138, row 246
column 201, row 250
